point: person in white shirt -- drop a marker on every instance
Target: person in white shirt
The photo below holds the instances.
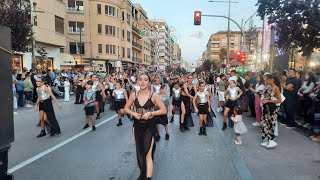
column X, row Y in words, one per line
column 233, row 76
column 66, row 85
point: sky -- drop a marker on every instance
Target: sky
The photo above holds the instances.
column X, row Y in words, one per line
column 179, row 15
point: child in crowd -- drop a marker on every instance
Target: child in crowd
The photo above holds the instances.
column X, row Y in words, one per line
column 89, row 99
column 239, row 127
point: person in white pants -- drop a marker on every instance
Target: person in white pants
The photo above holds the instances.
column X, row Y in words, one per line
column 66, row 85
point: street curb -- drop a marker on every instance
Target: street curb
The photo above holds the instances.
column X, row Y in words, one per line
column 237, row 159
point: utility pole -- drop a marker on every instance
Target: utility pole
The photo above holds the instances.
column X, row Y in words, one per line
column 33, row 56
column 80, row 49
column 228, row 34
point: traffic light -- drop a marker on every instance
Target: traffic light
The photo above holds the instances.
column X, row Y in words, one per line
column 240, row 71
column 197, row 18
column 241, row 57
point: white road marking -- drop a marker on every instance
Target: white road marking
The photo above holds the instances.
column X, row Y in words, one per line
column 38, row 156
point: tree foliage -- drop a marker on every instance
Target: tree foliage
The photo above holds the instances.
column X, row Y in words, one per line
column 15, row 14
column 297, row 22
column 223, row 53
column 206, row 66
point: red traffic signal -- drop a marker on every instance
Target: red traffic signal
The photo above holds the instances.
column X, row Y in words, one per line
column 197, row 18
column 241, row 56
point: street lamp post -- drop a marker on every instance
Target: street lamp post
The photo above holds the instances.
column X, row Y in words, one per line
column 228, row 34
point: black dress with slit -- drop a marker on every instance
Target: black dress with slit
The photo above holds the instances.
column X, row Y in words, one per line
column 188, row 122
column 144, row 131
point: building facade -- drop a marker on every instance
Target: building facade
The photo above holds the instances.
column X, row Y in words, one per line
column 107, row 35
column 163, row 44
column 48, row 20
column 251, row 46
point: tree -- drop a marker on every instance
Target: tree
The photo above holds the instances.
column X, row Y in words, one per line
column 207, row 64
column 223, row 53
column 15, row 14
column 198, row 70
column 297, row 23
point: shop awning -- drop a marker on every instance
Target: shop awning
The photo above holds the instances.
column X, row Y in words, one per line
column 67, row 60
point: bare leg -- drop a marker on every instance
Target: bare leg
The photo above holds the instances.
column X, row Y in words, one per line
column 225, row 114
column 150, row 160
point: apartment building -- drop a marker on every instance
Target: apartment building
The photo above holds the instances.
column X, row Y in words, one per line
column 176, row 55
column 105, row 35
column 218, row 41
column 48, row 26
column 163, row 42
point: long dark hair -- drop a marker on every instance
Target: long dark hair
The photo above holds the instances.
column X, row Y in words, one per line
column 261, row 79
column 311, row 78
column 276, row 80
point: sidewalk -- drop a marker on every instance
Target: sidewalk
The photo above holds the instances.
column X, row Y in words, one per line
column 295, row 157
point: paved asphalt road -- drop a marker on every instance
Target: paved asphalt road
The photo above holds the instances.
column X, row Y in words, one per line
column 109, row 153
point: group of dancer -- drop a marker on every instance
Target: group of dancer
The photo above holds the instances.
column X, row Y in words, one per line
column 145, row 100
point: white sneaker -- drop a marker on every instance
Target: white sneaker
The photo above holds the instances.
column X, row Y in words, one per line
column 255, row 124
column 272, row 144
column 265, row 143
column 29, row 106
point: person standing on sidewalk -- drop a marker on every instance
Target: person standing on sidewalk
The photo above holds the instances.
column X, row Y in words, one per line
column 28, row 89
column 80, row 89
column 20, row 88
column 258, row 90
column 66, row 85
column 305, row 100
column 270, row 99
column 290, row 90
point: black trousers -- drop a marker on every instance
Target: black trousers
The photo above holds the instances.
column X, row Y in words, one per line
column 289, row 109
column 251, row 106
column 34, row 95
column 79, row 94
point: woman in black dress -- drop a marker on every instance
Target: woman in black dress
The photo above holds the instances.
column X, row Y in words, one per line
column 185, row 104
column 145, row 129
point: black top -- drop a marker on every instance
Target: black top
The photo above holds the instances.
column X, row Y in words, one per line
column 192, row 92
column 147, row 107
column 294, row 81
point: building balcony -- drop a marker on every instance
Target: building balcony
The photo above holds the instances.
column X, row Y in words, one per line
column 73, row 30
column 136, row 60
column 137, row 46
column 136, row 30
column 78, row 9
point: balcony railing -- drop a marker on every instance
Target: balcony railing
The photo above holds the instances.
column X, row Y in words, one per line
column 75, row 30
column 135, row 29
column 78, row 9
column 135, row 59
column 137, row 45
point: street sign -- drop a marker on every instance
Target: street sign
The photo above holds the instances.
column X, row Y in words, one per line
column 244, row 48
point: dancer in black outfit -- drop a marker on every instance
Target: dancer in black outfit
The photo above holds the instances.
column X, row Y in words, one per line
column 46, row 112
column 185, row 105
column 145, row 129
